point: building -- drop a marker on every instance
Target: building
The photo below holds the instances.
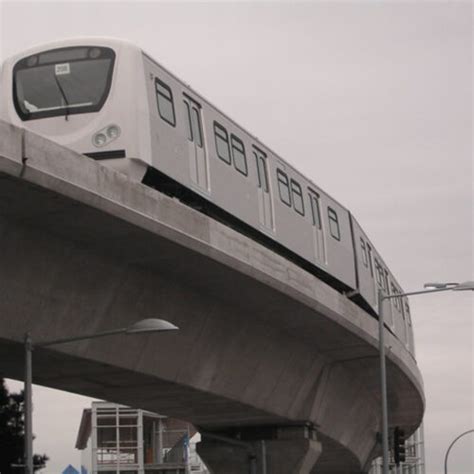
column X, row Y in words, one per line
column 115, row 439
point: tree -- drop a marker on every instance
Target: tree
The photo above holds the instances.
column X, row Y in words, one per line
column 12, row 433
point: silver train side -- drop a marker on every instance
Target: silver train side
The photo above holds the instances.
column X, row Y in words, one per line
column 112, row 102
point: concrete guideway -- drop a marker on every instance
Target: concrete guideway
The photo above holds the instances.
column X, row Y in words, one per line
column 263, row 345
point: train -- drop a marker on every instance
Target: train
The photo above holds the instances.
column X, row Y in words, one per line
column 112, row 102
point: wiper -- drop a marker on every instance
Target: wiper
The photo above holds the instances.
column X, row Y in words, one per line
column 29, row 106
column 66, row 116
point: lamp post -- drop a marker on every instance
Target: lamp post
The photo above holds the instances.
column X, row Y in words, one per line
column 449, row 449
column 433, row 288
column 142, row 326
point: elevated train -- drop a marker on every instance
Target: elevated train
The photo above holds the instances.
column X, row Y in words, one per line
column 110, row 101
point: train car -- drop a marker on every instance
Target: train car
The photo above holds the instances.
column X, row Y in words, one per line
column 372, row 275
column 110, row 101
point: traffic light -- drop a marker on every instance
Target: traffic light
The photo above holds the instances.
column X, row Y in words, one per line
column 399, row 452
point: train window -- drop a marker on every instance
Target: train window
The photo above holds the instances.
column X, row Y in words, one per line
column 334, row 224
column 396, row 301
column 364, row 252
column 188, row 121
column 377, row 277
column 262, row 174
column 379, row 273
column 222, row 143
column 164, row 99
column 381, row 279
column 407, row 312
column 385, row 280
column 196, row 126
column 297, row 196
column 315, row 211
column 62, row 82
column 284, row 187
column 238, row 153
column 369, row 256
column 194, row 122
column 393, row 291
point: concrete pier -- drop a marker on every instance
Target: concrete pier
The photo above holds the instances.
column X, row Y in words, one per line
column 283, row 450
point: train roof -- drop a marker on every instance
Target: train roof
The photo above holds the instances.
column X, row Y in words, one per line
column 76, row 41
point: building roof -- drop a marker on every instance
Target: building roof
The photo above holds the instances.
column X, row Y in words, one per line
column 85, row 427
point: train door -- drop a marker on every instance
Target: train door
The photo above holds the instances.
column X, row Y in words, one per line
column 318, row 234
column 371, row 267
column 265, row 209
column 197, row 150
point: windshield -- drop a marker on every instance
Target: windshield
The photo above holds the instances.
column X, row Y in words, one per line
column 62, row 82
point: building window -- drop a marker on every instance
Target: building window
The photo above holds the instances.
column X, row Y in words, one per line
column 284, row 187
column 238, row 153
column 297, row 196
column 164, row 99
column 222, row 143
column 334, row 224
column 364, row 252
column 315, row 210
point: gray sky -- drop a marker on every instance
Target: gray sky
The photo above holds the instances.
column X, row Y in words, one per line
column 372, row 100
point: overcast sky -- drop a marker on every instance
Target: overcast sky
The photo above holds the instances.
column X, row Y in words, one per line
column 373, row 101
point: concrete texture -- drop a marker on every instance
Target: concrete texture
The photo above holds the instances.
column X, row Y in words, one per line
column 292, row 450
column 262, row 342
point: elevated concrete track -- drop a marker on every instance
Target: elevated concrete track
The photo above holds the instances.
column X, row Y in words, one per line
column 267, row 354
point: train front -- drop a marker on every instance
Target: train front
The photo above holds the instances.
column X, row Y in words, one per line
column 78, row 94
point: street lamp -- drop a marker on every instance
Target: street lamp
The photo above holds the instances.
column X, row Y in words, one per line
column 431, row 288
column 142, row 326
column 449, row 449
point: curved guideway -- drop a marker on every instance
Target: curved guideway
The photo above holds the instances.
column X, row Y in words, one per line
column 267, row 354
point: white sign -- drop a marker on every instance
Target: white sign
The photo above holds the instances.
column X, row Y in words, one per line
column 61, row 69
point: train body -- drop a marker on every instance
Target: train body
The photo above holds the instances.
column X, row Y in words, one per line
column 110, row 101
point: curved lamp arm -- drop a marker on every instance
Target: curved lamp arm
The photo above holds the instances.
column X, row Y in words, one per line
column 142, row 326
column 449, row 449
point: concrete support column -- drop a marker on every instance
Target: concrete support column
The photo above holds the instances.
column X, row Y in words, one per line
column 294, row 451
column 282, row 450
column 224, row 458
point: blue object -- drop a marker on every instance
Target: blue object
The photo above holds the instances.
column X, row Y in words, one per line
column 70, row 470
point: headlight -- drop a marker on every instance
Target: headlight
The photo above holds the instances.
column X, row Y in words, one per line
column 106, row 135
column 99, row 139
column 113, row 131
